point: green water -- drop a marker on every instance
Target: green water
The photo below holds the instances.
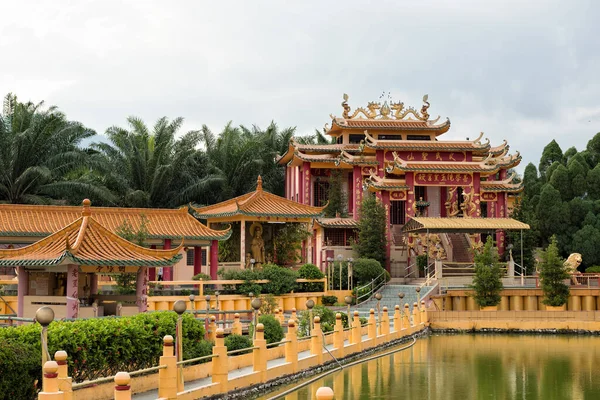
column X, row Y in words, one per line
column 466, row 367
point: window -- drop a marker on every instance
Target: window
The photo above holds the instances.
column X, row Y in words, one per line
column 320, row 189
column 190, row 257
column 389, row 137
column 418, row 137
column 355, row 138
column 397, row 212
column 459, row 198
column 484, row 208
column 420, row 193
column 8, row 271
column 339, row 237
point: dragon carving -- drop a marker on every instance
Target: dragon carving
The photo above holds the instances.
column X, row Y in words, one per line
column 468, row 206
column 451, row 203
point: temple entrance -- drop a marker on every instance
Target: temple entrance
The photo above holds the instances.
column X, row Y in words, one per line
column 397, row 212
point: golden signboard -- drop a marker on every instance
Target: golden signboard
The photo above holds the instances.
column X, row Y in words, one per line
column 109, row 270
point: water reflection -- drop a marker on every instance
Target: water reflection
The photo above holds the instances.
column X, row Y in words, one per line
column 474, row 367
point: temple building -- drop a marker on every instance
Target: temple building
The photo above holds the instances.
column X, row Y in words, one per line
column 398, row 153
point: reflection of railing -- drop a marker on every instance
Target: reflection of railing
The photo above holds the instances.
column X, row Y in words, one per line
column 365, row 291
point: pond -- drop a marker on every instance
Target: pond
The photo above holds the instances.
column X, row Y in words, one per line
column 474, row 366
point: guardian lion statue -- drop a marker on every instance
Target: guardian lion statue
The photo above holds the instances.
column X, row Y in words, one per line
column 571, row 265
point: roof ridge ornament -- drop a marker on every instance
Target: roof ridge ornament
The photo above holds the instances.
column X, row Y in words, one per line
column 391, row 110
column 259, row 182
column 86, row 211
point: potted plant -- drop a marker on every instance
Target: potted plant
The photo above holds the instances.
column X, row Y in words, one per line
column 552, row 278
column 487, row 282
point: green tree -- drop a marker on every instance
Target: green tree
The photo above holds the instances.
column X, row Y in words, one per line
column 372, row 222
column 487, row 282
column 40, row 156
column 562, row 182
column 336, row 196
column 593, row 149
column 593, row 183
column 551, row 153
column 553, row 275
column 586, row 239
column 552, row 214
column 524, row 212
column 571, row 151
column 126, row 282
column 578, row 177
column 153, row 168
column 287, row 242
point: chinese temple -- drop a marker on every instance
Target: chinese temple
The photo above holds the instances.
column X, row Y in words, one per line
column 398, row 153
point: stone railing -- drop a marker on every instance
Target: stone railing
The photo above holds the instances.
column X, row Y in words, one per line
column 230, row 370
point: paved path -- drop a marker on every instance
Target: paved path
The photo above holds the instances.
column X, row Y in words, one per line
column 236, row 373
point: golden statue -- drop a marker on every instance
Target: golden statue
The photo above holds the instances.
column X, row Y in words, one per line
column 258, row 244
column 451, row 203
column 571, row 265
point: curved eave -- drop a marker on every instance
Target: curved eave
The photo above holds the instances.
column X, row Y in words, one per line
column 88, row 262
column 437, row 129
column 387, row 187
column 255, row 214
column 447, row 170
column 500, row 188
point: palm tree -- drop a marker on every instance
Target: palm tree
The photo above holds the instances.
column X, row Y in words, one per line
column 40, row 155
column 153, row 168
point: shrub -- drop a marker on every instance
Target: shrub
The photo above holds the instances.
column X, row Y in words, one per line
column 365, row 270
column 273, row 329
column 487, row 282
column 201, row 276
column 552, row 276
column 19, row 370
column 288, row 242
column 310, row 271
column 282, row 279
column 247, row 275
column 268, row 305
column 327, row 319
column 593, row 270
column 104, row 346
column 329, row 300
column 238, row 342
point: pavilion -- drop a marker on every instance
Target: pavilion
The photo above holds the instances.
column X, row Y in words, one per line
column 255, row 216
column 82, row 249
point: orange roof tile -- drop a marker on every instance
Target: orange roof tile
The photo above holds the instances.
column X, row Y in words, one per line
column 86, row 242
column 424, row 145
column 339, row 223
column 29, row 220
column 392, row 124
column 259, row 204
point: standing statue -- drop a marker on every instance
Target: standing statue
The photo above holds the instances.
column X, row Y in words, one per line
column 451, row 203
column 571, row 265
column 258, row 244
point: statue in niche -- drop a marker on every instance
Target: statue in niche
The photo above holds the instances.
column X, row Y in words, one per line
column 451, row 203
column 258, row 243
column 571, row 265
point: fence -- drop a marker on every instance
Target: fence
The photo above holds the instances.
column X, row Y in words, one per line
column 229, row 370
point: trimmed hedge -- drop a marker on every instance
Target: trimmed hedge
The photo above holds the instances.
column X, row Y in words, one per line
column 238, row 342
column 310, row 271
column 104, row 346
column 273, row 329
column 19, row 370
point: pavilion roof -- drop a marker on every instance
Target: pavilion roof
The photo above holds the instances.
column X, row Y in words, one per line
column 489, row 165
column 258, row 203
column 86, row 242
column 380, row 183
column 462, row 225
column 502, row 186
column 428, row 145
column 32, row 220
column 337, row 222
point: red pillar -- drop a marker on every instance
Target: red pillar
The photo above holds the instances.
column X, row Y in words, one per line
column 385, row 198
column 214, row 259
column 72, row 292
column 357, row 186
column 197, row 260
column 167, row 271
column 476, row 195
column 152, row 270
column 410, row 195
column 141, row 289
column 23, row 290
column 350, row 193
column 305, row 183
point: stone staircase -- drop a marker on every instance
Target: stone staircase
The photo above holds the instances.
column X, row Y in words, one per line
column 390, row 298
column 461, row 250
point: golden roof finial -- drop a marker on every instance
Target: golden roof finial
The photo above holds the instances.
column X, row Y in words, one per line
column 259, row 184
column 86, row 212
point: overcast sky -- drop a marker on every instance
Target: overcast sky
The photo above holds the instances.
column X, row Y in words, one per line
column 525, row 71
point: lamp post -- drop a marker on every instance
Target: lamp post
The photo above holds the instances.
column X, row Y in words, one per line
column 206, row 323
column 179, row 307
column 330, row 272
column 310, row 304
column 255, row 303
column 348, row 300
column 378, row 297
column 192, row 298
column 418, row 290
column 340, row 258
column 44, row 316
column 217, row 305
column 400, row 297
column 252, row 262
column 350, row 272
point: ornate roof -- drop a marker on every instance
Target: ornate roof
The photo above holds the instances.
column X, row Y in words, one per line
column 86, row 242
column 29, row 220
column 378, row 183
column 424, row 145
column 392, row 116
column 467, row 225
column 259, row 204
column 340, row 223
column 335, row 148
column 502, row 186
column 351, row 159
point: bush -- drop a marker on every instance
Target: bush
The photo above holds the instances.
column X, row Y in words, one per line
column 552, row 276
column 268, row 305
column 487, row 283
column 273, row 329
column 238, row 342
column 104, row 346
column 327, row 319
column 593, row 270
column 201, row 276
column 247, row 275
column 329, row 300
column 365, row 270
column 310, row 271
column 19, row 370
column 282, row 279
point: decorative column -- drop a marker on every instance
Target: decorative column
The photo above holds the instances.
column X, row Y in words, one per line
column 476, row 195
column 152, row 271
column 501, row 213
column 356, row 190
column 214, row 258
column 72, row 291
column 23, row 290
column 197, row 260
column 350, row 193
column 94, row 285
column 410, row 195
column 385, row 199
column 141, row 289
column 243, row 260
column 167, row 271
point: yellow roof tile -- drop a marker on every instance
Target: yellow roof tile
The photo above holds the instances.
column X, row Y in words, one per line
column 468, row 225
